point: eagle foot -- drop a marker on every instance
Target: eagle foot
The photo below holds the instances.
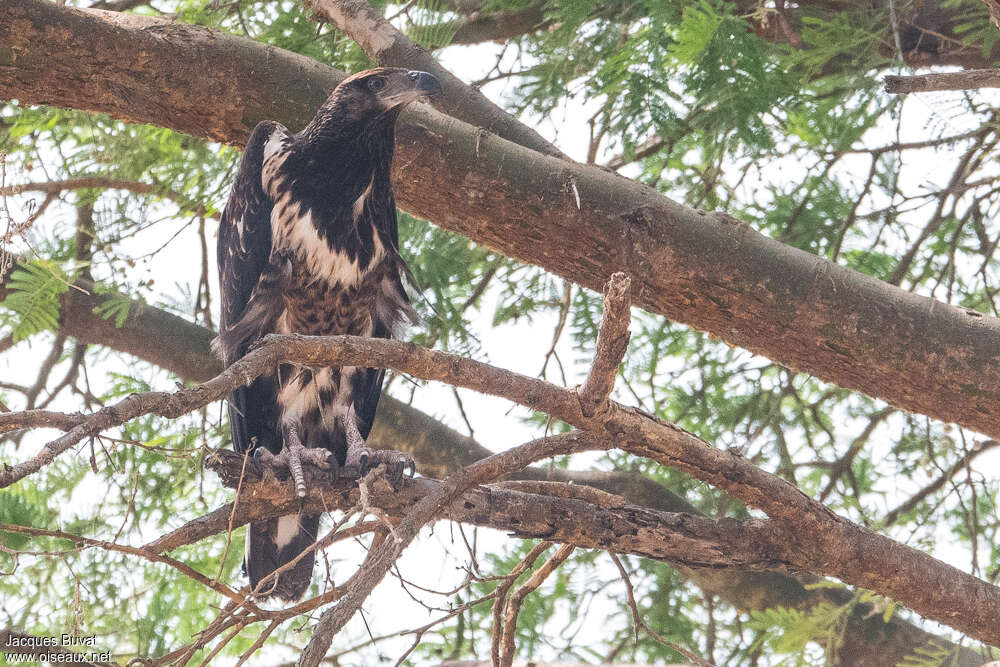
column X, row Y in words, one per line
column 396, row 464
column 292, row 455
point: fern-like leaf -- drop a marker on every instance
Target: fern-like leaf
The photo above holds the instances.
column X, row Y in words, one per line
column 32, row 303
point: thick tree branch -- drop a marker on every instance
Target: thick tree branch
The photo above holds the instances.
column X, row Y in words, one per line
column 679, row 538
column 922, row 83
column 850, row 552
column 708, row 270
column 441, row 451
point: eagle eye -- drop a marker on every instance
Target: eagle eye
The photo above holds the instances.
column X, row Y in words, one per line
column 375, row 84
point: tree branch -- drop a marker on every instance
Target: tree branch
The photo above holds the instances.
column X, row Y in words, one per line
column 502, row 25
column 612, row 342
column 707, row 270
column 922, row 83
column 441, row 451
column 516, row 601
column 850, row 552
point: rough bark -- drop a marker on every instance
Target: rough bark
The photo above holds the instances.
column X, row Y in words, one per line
column 707, row 270
column 499, row 26
column 969, row 79
column 868, row 641
column 832, row 544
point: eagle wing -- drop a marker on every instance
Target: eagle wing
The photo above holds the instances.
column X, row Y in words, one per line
column 392, row 312
column 243, row 253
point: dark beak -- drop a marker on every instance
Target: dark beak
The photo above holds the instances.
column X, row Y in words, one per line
column 424, row 82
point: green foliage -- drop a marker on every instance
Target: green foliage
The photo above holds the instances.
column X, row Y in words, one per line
column 115, row 307
column 32, row 304
column 932, row 654
column 789, row 632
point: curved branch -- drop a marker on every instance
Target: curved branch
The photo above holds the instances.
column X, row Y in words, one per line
column 442, row 450
column 708, row 270
column 849, row 552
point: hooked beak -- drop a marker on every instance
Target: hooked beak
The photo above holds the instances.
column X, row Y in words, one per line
column 424, row 82
column 412, row 86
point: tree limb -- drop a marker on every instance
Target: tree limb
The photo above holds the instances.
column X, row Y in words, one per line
column 612, row 342
column 441, row 451
column 922, row 83
column 707, row 270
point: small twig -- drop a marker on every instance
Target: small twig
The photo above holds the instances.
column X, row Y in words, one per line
column 612, row 342
column 236, row 500
column 503, row 588
column 513, row 607
column 640, row 623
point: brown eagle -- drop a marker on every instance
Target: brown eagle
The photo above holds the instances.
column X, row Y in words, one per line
column 308, row 244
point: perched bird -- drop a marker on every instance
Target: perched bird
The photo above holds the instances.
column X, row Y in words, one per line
column 308, row 244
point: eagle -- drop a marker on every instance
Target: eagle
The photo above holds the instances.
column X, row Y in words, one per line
column 308, row 244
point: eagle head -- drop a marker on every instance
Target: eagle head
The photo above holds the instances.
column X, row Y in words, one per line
column 374, row 92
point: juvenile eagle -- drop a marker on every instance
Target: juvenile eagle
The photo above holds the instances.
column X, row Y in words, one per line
column 308, row 244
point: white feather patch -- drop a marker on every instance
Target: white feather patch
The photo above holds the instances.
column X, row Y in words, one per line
column 288, row 528
column 300, row 237
column 359, row 203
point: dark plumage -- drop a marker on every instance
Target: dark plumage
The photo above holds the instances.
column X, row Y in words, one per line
column 308, row 244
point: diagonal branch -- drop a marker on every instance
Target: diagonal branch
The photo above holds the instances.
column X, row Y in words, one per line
column 513, row 607
column 704, row 269
column 852, row 553
column 612, row 342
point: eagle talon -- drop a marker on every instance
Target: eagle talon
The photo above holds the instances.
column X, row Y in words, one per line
column 331, row 460
column 365, row 462
column 265, row 461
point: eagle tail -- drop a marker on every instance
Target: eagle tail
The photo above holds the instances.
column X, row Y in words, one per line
column 275, row 542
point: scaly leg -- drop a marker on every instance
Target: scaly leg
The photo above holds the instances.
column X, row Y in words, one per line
column 291, row 457
column 365, row 459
